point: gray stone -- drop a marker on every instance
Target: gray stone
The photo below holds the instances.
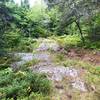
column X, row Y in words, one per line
column 78, row 84
column 48, row 44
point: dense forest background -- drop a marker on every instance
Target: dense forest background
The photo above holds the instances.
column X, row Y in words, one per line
column 74, row 24
column 54, row 18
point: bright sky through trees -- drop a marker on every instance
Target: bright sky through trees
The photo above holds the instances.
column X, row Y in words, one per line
column 32, row 2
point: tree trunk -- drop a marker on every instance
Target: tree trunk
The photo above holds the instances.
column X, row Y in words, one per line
column 78, row 25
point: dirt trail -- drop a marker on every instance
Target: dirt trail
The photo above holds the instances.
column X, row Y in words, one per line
column 63, row 78
column 92, row 57
column 58, row 73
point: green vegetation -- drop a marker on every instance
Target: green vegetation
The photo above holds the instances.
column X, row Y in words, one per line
column 31, row 63
column 27, row 45
column 21, row 23
column 23, row 84
column 74, row 41
column 73, row 24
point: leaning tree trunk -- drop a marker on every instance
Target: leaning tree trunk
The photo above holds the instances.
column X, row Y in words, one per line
column 78, row 25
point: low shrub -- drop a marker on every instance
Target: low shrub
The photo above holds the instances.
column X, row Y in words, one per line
column 27, row 45
column 94, row 45
column 35, row 96
column 41, row 32
column 4, row 66
column 68, row 41
column 73, row 41
column 21, row 85
column 12, row 39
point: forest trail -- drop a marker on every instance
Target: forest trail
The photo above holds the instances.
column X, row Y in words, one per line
column 65, row 80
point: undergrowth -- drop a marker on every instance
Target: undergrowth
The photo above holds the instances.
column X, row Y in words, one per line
column 23, row 84
column 74, row 41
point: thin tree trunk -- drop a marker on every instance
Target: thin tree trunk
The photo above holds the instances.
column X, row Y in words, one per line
column 78, row 25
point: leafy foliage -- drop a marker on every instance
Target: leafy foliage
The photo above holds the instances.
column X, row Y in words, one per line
column 22, row 84
column 60, row 17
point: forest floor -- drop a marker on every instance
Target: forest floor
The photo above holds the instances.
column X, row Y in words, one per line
column 66, row 69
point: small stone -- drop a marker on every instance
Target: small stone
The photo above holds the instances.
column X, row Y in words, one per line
column 93, row 88
column 69, row 96
column 78, row 84
column 59, row 86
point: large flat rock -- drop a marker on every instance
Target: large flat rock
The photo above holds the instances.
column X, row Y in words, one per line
column 57, row 73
